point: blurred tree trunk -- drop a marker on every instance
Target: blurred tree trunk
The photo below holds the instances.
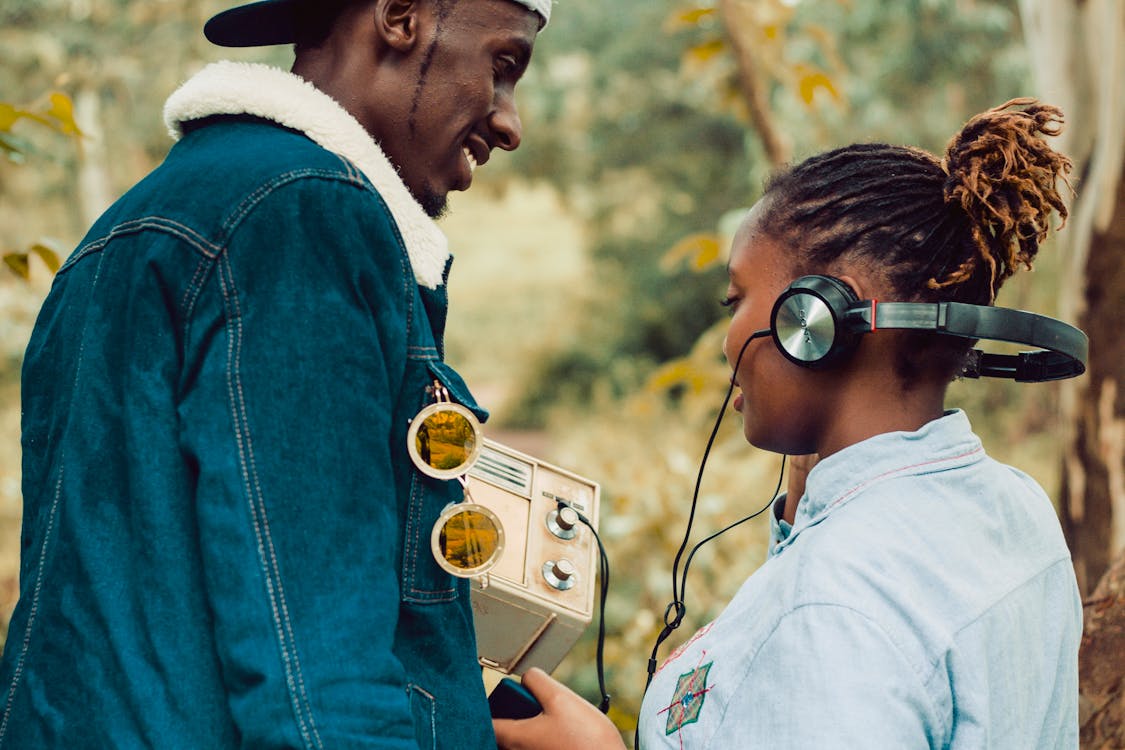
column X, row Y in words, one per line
column 1077, row 49
column 1102, row 707
column 94, row 190
column 738, row 22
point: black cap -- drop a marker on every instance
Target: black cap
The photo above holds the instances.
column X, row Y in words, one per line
column 257, row 24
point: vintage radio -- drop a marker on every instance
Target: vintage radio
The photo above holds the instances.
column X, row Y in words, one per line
column 534, row 604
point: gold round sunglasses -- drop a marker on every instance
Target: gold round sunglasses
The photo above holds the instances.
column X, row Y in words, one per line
column 444, row 441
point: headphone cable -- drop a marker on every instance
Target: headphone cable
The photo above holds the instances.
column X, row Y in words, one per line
column 679, row 586
column 603, row 573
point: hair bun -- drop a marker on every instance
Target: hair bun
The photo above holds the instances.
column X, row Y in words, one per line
column 1003, row 175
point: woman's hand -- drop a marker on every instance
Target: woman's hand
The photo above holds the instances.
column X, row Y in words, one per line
column 568, row 721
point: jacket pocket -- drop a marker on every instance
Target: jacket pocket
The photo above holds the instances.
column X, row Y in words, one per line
column 423, row 580
column 424, row 712
column 455, row 384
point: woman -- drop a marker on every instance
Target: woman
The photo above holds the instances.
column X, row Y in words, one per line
column 917, row 593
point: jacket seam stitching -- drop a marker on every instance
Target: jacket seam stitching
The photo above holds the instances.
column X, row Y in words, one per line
column 251, row 201
column 188, row 235
column 280, row 612
column 25, row 643
column 192, row 292
column 411, row 687
column 353, row 172
column 411, row 548
column 411, row 552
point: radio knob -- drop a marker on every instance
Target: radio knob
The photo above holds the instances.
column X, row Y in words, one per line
column 560, row 574
column 563, row 523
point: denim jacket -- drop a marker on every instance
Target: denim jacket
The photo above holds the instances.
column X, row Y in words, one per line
column 923, row 597
column 225, row 543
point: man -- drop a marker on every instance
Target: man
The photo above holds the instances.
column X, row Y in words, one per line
column 225, row 541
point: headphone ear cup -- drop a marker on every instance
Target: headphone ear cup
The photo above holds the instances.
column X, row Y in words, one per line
column 807, row 322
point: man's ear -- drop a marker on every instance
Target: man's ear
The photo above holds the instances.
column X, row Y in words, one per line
column 396, row 23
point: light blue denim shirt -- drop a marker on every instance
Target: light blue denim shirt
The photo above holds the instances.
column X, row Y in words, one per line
column 923, row 598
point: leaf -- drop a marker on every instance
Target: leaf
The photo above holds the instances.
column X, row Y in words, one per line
column 702, row 53
column 810, row 82
column 677, row 372
column 48, row 255
column 687, row 18
column 9, row 115
column 18, row 264
column 700, row 251
column 62, row 111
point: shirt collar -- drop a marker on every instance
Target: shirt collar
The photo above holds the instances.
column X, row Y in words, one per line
column 945, row 443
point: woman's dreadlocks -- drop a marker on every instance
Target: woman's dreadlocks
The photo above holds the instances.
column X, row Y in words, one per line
column 952, row 229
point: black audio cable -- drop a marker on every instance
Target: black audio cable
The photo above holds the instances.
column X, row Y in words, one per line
column 603, row 573
column 674, row 613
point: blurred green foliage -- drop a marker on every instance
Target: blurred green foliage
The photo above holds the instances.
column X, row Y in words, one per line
column 650, row 147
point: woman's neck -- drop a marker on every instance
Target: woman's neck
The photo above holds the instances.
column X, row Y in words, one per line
column 867, row 407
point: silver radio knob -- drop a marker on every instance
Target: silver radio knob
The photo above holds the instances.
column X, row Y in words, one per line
column 560, row 574
column 563, row 523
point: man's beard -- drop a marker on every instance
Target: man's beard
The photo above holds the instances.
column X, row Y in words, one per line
column 433, row 204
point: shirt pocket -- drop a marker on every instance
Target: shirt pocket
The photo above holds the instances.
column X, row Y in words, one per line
column 423, row 580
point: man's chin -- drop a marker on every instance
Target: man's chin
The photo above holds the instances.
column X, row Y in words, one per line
column 433, row 204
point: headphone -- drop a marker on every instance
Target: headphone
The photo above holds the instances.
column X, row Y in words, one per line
column 817, row 321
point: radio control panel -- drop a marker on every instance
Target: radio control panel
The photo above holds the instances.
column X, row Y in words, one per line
column 534, row 604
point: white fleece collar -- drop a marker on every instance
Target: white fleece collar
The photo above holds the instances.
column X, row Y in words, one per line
column 233, row 88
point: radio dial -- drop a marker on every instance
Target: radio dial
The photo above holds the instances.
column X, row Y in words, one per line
column 563, row 523
column 560, row 574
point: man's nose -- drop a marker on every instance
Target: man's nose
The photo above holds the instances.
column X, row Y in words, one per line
column 505, row 122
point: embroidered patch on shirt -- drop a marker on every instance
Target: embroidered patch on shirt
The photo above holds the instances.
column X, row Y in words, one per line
column 687, row 700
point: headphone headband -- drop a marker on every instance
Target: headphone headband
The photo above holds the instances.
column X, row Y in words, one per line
column 806, row 335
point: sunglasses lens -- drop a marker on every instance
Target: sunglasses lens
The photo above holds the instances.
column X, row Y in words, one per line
column 467, row 539
column 446, row 441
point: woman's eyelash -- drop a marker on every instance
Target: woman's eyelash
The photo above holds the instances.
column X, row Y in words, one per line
column 729, row 302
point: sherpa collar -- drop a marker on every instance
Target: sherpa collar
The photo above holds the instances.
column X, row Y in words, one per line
column 233, row 88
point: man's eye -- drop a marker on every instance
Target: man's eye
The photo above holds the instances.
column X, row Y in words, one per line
column 506, row 66
column 730, row 302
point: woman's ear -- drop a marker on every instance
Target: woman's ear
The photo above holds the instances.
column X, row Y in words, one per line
column 396, row 23
column 853, row 282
